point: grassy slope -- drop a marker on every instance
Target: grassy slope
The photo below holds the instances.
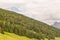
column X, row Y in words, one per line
column 12, row 36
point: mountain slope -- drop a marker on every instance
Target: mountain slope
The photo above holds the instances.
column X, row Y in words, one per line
column 24, row 26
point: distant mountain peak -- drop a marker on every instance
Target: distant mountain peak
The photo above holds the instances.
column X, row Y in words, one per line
column 15, row 9
column 56, row 24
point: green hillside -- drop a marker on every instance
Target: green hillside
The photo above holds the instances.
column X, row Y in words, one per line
column 24, row 26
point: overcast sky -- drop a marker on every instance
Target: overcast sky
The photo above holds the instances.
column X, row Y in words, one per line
column 44, row 10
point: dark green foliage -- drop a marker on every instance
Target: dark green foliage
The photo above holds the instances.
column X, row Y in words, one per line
column 25, row 26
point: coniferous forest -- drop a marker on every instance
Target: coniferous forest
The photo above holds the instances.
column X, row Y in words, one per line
column 21, row 25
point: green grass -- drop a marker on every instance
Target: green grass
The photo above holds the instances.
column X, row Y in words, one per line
column 57, row 38
column 11, row 36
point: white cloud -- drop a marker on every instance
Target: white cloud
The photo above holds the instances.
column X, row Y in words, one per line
column 12, row 1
